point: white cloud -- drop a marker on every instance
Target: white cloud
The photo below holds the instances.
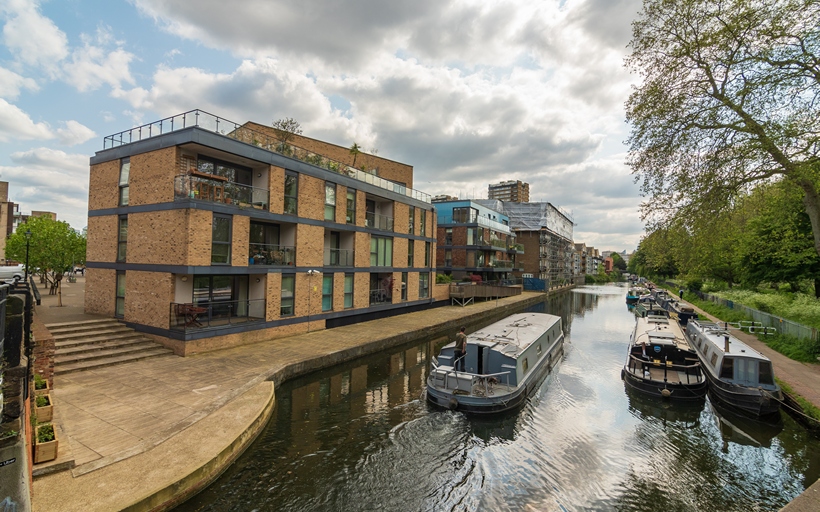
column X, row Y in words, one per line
column 92, row 65
column 11, row 83
column 31, row 37
column 74, row 133
column 16, row 124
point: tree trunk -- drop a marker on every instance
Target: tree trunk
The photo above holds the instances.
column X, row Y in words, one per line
column 811, row 200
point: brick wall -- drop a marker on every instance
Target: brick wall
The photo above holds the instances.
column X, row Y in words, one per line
column 158, row 237
column 277, row 189
column 200, row 228
column 148, row 297
column 151, row 178
column 311, row 204
column 102, row 238
column 361, row 290
column 103, row 188
column 43, row 350
column 100, row 291
column 240, row 241
column 309, row 246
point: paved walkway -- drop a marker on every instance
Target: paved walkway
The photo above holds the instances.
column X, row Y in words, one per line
column 176, row 418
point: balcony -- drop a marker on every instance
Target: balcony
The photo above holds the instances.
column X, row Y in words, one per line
column 226, row 128
column 515, row 249
column 216, row 190
column 190, row 317
column 502, row 265
column 376, row 221
column 271, row 255
column 481, row 221
column 338, row 258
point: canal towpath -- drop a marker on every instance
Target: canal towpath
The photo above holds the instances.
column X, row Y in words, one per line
column 146, row 434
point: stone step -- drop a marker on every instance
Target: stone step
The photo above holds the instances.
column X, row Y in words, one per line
column 85, row 348
column 93, row 340
column 74, row 333
column 52, row 327
column 101, row 363
column 107, row 353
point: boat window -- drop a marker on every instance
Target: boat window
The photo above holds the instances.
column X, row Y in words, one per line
column 765, row 370
column 525, row 365
column 727, row 370
column 714, row 359
column 539, row 348
column 746, row 371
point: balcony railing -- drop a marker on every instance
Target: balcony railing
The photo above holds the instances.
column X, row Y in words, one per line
column 380, row 296
column 517, row 248
column 502, row 264
column 189, row 317
column 377, row 221
column 338, row 258
column 481, row 221
column 236, row 131
column 274, row 255
column 218, row 191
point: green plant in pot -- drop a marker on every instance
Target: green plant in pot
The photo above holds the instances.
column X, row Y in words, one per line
column 43, row 408
column 45, row 443
column 41, row 386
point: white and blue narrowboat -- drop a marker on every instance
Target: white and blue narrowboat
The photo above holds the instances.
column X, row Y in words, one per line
column 504, row 363
column 738, row 375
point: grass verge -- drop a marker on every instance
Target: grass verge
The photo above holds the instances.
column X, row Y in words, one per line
column 808, row 408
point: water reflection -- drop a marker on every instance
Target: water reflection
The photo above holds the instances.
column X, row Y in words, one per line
column 360, row 437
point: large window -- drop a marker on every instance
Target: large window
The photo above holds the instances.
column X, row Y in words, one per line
column 465, row 215
column 125, row 170
column 470, row 236
column 448, row 236
column 411, row 251
column 424, row 285
column 448, row 257
column 224, row 296
column 330, row 201
column 381, row 252
column 232, row 172
column 291, row 192
column 412, row 219
column 427, row 248
column 288, row 288
column 119, row 307
column 221, row 240
column 327, row 292
column 349, row 279
column 404, row 286
column 122, row 238
column 423, row 223
column 350, row 218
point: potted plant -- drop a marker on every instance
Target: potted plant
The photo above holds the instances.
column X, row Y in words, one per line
column 45, row 443
column 43, row 408
column 41, row 386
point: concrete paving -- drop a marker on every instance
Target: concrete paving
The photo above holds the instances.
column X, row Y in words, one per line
column 176, row 422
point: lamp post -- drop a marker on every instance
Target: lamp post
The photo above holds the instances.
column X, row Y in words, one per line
column 310, row 274
column 28, row 240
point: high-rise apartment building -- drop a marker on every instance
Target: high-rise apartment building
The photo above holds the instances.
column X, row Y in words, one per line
column 510, row 191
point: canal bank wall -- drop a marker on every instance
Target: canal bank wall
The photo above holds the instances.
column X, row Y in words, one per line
column 227, row 397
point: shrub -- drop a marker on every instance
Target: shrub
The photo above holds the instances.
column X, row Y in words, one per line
column 45, row 433
column 39, row 381
column 443, row 278
column 41, row 401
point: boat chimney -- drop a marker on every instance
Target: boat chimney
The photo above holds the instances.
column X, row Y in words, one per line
column 726, row 343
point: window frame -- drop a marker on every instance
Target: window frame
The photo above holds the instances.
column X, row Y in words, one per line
column 125, row 171
column 327, row 294
column 411, row 253
column 122, row 241
column 412, row 219
column 423, row 223
column 330, row 207
column 119, row 299
column 220, row 243
column 293, row 198
column 283, row 299
column 350, row 216
column 424, row 285
column 376, row 256
column 349, row 294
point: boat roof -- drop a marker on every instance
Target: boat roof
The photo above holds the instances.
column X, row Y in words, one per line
column 715, row 333
column 659, row 330
column 514, row 334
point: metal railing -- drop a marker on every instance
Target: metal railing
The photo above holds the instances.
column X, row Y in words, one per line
column 338, row 258
column 217, row 191
column 380, row 296
column 690, row 370
column 216, row 124
column 481, row 221
column 377, row 221
column 269, row 254
column 215, row 314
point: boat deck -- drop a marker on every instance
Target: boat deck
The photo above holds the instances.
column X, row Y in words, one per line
column 672, row 376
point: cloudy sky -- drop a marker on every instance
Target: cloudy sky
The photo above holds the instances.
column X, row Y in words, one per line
column 467, row 92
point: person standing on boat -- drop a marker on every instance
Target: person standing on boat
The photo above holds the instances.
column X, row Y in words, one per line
column 461, row 349
column 680, row 293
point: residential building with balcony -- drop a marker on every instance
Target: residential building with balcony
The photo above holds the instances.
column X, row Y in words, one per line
column 514, row 191
column 474, row 242
column 207, row 234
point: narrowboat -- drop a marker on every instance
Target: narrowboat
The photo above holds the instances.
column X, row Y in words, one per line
column 660, row 362
column 738, row 375
column 504, row 363
column 680, row 311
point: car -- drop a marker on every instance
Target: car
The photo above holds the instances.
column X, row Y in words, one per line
column 12, row 273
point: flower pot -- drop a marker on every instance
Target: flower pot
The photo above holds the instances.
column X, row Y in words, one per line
column 44, row 413
column 47, row 450
column 42, row 391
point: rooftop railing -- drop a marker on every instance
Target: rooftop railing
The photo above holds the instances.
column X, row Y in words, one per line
column 236, row 131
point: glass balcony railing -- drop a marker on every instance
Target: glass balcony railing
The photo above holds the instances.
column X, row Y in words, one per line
column 219, row 191
column 481, row 221
column 377, row 221
column 216, row 124
column 272, row 255
column 215, row 314
column 338, row 258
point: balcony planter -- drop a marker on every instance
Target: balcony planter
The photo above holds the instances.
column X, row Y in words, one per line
column 43, row 408
column 41, row 386
column 45, row 443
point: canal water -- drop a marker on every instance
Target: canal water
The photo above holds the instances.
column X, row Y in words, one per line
column 360, row 437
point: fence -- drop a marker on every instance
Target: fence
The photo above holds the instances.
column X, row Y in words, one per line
column 782, row 325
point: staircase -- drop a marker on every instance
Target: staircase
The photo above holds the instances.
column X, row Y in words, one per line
column 94, row 344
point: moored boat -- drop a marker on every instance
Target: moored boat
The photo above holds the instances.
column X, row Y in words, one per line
column 660, row 363
column 504, row 363
column 738, row 375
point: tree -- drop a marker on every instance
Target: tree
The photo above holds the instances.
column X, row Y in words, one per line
column 618, row 262
column 53, row 248
column 285, row 129
column 355, row 149
column 729, row 98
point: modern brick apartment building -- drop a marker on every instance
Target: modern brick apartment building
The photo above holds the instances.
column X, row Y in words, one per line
column 207, row 234
column 474, row 241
